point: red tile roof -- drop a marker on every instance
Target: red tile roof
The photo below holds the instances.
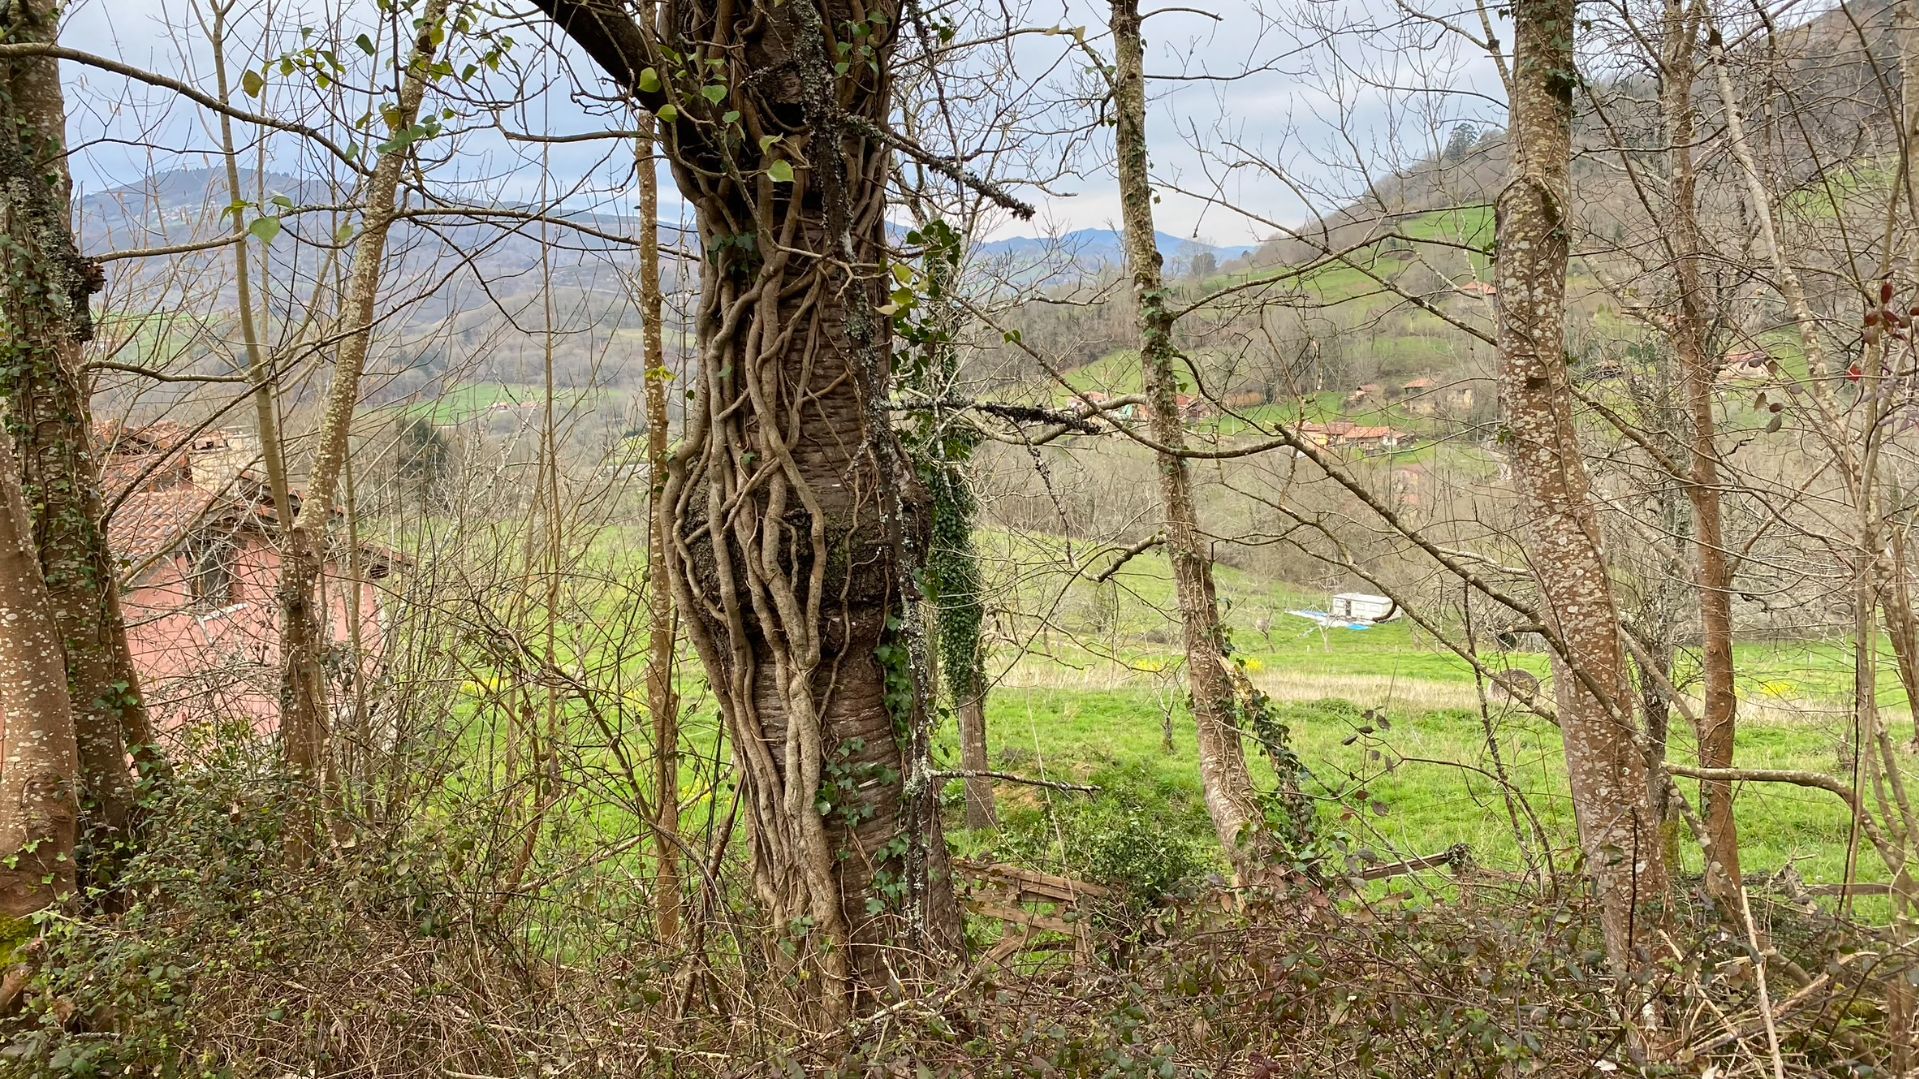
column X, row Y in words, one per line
column 149, row 523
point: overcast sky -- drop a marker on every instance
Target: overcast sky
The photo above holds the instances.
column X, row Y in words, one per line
column 1252, row 108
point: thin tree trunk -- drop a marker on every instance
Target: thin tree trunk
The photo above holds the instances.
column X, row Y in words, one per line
column 1231, row 799
column 304, row 720
column 1901, row 628
column 1713, row 570
column 260, row 372
column 794, row 520
column 46, row 323
column 663, row 629
column 39, row 759
column 1604, row 760
column 980, row 810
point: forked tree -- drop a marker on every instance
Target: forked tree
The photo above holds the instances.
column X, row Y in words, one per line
column 789, row 512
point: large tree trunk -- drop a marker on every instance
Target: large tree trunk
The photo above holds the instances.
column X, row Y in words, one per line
column 46, row 322
column 39, row 811
column 663, row 630
column 304, row 719
column 1713, row 568
column 1231, row 799
column 1604, row 758
column 793, row 518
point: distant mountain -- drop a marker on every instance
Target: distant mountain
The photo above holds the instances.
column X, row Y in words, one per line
column 1091, row 251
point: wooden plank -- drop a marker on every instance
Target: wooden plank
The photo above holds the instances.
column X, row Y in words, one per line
column 1848, row 889
column 1046, row 884
column 1018, row 916
column 1451, row 858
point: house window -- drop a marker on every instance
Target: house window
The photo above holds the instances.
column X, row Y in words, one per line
column 212, row 572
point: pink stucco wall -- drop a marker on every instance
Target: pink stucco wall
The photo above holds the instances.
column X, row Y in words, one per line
column 198, row 664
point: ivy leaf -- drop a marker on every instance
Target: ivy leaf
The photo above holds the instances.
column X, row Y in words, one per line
column 732, row 117
column 780, row 172
column 253, row 83
column 365, row 43
column 265, row 228
column 668, row 114
column 650, row 81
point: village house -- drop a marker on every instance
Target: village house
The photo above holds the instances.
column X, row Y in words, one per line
column 1747, row 368
column 195, row 541
column 1416, row 397
column 1193, row 408
column 1426, row 397
column 1346, row 434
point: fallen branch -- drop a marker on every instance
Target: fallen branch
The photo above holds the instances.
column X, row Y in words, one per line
column 1049, row 784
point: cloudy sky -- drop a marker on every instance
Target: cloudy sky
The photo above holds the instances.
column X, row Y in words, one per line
column 1260, row 114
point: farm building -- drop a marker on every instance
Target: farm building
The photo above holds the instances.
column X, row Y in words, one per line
column 195, row 541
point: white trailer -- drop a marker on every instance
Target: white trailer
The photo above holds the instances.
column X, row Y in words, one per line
column 1363, row 607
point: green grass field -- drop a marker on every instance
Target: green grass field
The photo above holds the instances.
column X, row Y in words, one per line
column 1387, row 721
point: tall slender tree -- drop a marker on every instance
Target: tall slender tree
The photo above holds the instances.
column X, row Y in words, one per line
column 1604, row 752
column 1691, row 327
column 305, row 721
column 662, row 701
column 1231, row 798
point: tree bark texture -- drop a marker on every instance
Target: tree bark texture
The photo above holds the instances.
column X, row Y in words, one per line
column 793, row 515
column 974, row 760
column 44, row 323
column 39, row 759
column 1604, row 758
column 1231, row 799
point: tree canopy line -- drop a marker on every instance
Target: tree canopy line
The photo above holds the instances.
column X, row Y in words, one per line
column 695, row 776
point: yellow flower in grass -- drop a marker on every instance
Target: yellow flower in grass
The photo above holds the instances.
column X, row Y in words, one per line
column 1778, row 689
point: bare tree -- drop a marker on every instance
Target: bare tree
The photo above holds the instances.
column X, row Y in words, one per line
column 662, row 700
column 1231, row 798
column 304, row 719
column 1690, row 334
column 1604, row 756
